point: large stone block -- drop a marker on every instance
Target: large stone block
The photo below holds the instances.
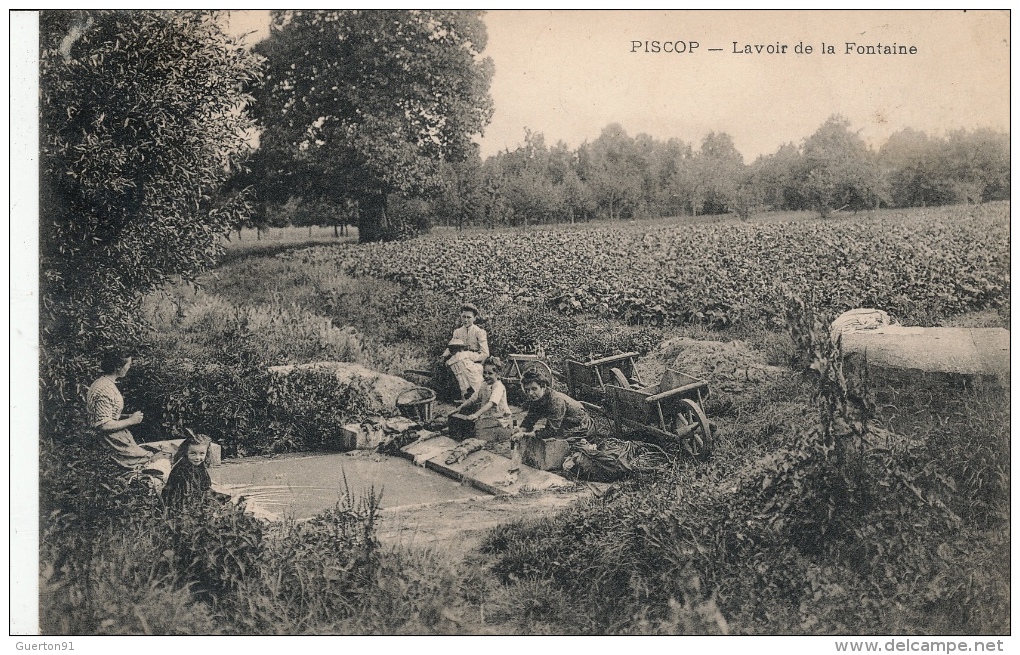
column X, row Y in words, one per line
column 974, row 352
column 544, row 454
column 485, row 428
column 362, row 436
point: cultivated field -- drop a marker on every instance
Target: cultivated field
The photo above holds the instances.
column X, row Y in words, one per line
column 920, row 265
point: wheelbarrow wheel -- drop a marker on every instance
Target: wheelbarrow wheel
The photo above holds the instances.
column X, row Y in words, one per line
column 619, row 378
column 698, row 442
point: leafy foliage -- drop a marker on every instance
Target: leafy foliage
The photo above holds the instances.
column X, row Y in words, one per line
column 237, row 401
column 844, row 528
column 140, row 125
column 961, row 167
column 361, row 104
column 618, row 176
column 113, row 561
column 920, row 267
column 838, row 170
column 142, row 118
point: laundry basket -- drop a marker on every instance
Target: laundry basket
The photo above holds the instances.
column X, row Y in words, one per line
column 417, row 404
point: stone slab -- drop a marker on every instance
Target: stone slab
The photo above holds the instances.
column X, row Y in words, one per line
column 362, row 436
column 993, row 348
column 422, row 451
column 544, row 454
column 483, row 469
column 963, row 351
column 485, row 428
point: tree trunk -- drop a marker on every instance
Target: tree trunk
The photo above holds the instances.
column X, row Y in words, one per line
column 372, row 222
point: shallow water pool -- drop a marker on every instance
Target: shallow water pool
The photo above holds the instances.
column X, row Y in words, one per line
column 301, row 486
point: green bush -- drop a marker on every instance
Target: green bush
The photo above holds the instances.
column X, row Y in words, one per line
column 215, row 547
column 102, row 539
column 244, row 407
column 311, row 407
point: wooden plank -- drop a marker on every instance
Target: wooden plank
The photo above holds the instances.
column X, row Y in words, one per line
column 611, row 359
column 695, row 386
column 635, row 425
column 422, row 451
column 490, row 472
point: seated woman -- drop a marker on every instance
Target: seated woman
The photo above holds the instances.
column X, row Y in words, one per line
column 474, row 346
column 475, row 339
column 565, row 417
column 104, row 406
column 465, row 369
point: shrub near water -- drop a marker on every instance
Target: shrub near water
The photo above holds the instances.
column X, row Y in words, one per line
column 227, row 392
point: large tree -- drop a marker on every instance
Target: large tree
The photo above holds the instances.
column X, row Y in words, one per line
column 774, row 177
column 911, row 162
column 977, row 162
column 721, row 169
column 838, row 170
column 362, row 104
column 612, row 166
column 142, row 117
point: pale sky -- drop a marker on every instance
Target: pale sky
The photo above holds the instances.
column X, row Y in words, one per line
column 568, row 74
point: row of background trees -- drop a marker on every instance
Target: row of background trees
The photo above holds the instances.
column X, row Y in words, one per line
column 617, row 176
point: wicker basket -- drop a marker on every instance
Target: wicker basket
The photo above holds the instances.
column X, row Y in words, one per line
column 417, row 404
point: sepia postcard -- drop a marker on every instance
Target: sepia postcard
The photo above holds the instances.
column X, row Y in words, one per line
column 511, row 322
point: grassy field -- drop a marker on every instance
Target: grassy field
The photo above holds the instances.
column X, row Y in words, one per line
column 801, row 523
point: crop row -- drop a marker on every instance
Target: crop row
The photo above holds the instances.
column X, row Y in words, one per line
column 919, row 266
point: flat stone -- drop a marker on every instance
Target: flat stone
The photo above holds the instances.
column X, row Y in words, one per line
column 422, row 451
column 963, row 351
column 483, row 469
column 544, row 454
